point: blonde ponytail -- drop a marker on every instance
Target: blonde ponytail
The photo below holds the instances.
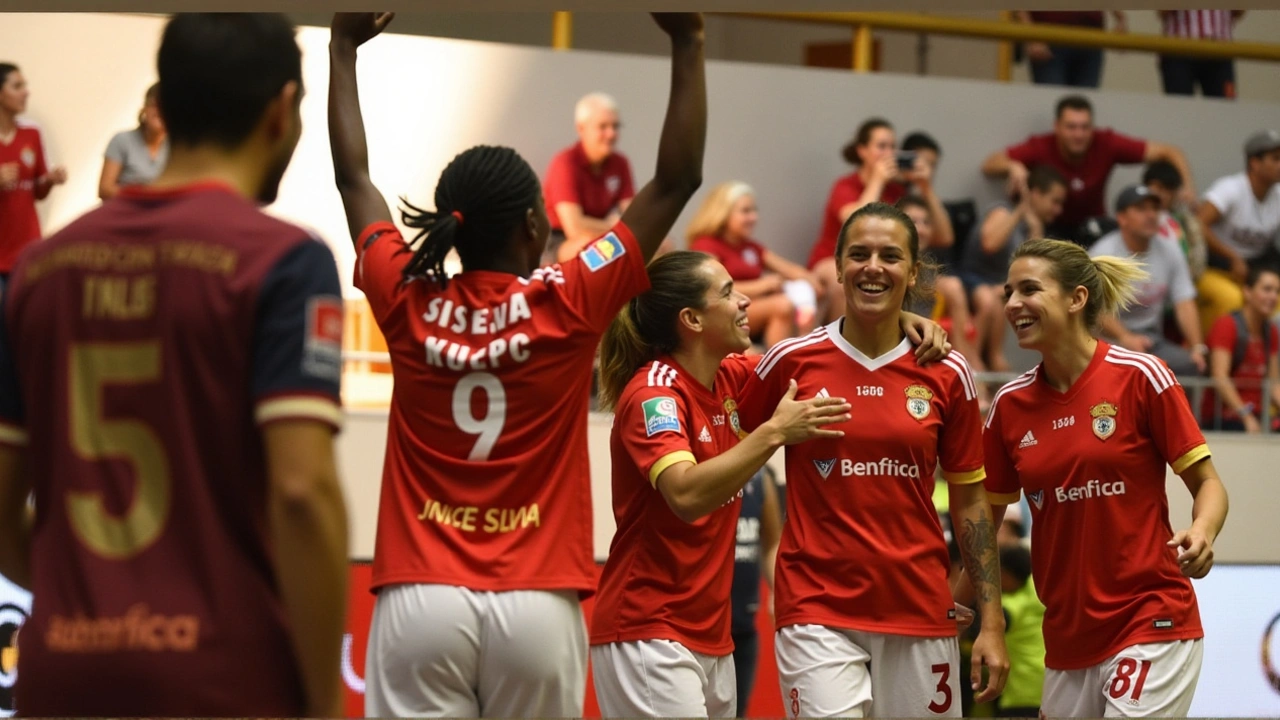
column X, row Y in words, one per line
column 1117, row 277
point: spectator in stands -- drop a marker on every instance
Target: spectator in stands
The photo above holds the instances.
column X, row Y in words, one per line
column 929, row 154
column 1063, row 64
column 754, row 555
column 24, row 175
column 1180, row 75
column 589, row 185
column 991, row 243
column 1240, row 359
column 783, row 294
column 1024, row 630
column 136, row 157
column 1085, row 156
column 1138, row 328
column 1178, row 222
column 879, row 178
column 947, row 287
column 1240, row 216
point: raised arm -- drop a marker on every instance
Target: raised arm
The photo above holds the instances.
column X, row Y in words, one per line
column 684, row 137
column 361, row 200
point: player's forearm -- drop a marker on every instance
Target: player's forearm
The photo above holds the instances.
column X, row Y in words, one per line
column 310, row 541
column 975, row 530
column 701, row 489
column 346, row 125
column 684, row 131
column 1209, row 508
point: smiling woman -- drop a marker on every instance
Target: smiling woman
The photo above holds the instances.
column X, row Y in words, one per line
column 671, row 371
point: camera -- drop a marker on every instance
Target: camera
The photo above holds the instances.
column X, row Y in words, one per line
column 906, row 160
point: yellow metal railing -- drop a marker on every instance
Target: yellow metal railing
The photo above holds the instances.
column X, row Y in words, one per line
column 1005, row 31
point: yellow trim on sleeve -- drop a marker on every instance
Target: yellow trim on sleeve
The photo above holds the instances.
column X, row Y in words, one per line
column 667, row 461
column 1192, row 456
column 311, row 408
column 12, row 435
column 1003, row 498
column 965, row 478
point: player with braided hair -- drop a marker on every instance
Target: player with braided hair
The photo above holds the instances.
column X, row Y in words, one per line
column 484, row 540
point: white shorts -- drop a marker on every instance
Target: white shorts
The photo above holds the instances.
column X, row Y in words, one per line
column 1151, row 680
column 662, row 678
column 447, row 651
column 829, row 672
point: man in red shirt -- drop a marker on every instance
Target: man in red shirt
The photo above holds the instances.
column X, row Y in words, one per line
column 1085, row 156
column 24, row 176
column 589, row 185
column 169, row 391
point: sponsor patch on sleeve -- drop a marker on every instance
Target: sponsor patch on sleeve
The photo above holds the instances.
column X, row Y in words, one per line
column 660, row 415
column 603, row 251
column 322, row 346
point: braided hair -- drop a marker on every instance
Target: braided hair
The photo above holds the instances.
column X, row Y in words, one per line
column 481, row 195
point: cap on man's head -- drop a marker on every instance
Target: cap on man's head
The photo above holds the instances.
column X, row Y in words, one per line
column 1261, row 142
column 1133, row 195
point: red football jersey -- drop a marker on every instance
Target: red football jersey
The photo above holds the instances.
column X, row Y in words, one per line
column 1251, row 372
column 19, row 224
column 1092, row 463
column 846, row 190
column 667, row 579
column 742, row 262
column 152, row 339
column 486, row 482
column 863, row 547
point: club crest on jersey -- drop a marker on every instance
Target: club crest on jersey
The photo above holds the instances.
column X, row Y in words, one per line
column 660, row 416
column 602, row 252
column 825, row 467
column 612, row 183
column 1036, row 498
column 918, row 397
column 28, row 157
column 1104, row 419
column 735, row 424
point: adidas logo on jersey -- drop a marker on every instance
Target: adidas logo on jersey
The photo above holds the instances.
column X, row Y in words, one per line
column 825, row 467
column 1028, row 440
column 823, row 394
column 705, row 435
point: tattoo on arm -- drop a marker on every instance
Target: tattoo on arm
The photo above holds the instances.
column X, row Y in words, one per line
column 981, row 559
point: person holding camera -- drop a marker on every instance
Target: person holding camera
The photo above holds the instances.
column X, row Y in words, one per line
column 882, row 176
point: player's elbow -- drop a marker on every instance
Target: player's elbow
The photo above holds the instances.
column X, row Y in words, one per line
column 683, row 500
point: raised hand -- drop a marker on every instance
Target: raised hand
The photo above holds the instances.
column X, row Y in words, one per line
column 359, row 28
column 806, row 419
column 679, row 24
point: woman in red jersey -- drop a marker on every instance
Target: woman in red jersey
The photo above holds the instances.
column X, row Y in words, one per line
column 784, row 296
column 865, row 616
column 660, row 635
column 1087, row 435
column 484, row 540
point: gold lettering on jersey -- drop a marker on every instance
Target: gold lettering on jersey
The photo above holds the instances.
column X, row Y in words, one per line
column 1104, row 419
column 496, row 520
column 94, row 257
column 458, row 357
column 918, row 401
column 138, row 629
column 505, row 520
column 463, row 518
column 199, row 256
column 460, row 319
column 108, row 297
